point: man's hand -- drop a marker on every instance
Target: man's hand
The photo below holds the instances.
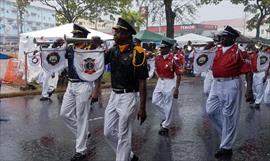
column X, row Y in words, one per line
column 176, row 93
column 94, row 97
column 58, row 42
column 249, row 96
column 142, row 115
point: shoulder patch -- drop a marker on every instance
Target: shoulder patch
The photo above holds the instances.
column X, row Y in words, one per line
column 139, row 49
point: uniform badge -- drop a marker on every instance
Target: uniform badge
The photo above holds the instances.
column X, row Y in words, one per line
column 263, row 59
column 202, row 59
column 53, row 58
column 89, row 66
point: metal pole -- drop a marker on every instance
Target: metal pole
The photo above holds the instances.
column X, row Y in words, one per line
column 25, row 66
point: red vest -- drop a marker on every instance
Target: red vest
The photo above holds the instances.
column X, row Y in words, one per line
column 253, row 57
column 232, row 63
column 166, row 68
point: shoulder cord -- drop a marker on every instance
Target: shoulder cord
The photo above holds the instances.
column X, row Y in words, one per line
column 134, row 59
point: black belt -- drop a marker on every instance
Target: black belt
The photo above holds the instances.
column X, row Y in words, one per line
column 119, row 91
column 227, row 78
column 75, row 80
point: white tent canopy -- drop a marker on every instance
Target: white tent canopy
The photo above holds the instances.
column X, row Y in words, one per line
column 26, row 40
column 194, row 38
column 62, row 30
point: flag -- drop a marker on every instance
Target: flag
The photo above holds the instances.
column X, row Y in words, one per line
column 33, row 58
column 203, row 60
column 53, row 59
column 89, row 64
column 262, row 61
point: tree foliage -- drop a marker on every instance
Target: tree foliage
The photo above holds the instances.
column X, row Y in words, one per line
column 260, row 10
column 133, row 17
column 68, row 11
column 173, row 10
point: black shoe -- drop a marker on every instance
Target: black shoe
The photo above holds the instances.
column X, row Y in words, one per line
column 44, row 98
column 161, row 123
column 252, row 102
column 51, row 92
column 257, row 106
column 223, row 153
column 135, row 158
column 78, row 157
column 88, row 134
column 163, row 131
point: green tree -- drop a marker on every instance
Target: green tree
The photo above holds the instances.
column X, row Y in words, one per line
column 133, row 17
column 260, row 9
column 68, row 11
column 174, row 10
column 21, row 10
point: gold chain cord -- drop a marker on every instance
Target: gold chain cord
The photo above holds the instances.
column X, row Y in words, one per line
column 134, row 59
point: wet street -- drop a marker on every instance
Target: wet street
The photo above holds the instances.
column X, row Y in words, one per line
column 31, row 130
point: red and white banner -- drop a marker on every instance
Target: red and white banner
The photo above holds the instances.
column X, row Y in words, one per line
column 89, row 64
column 33, row 58
column 53, row 59
column 203, row 60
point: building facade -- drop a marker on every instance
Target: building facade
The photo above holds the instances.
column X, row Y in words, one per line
column 240, row 25
column 201, row 29
column 37, row 17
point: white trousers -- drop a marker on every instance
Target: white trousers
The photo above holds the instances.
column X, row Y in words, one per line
column 223, row 106
column 75, row 111
column 163, row 99
column 207, row 82
column 119, row 117
column 258, row 86
column 48, row 83
column 266, row 97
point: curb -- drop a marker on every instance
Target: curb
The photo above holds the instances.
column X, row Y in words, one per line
column 62, row 90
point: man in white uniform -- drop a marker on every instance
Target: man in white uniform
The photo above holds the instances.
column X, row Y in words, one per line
column 167, row 66
column 223, row 103
column 76, row 102
column 128, row 77
column 259, row 81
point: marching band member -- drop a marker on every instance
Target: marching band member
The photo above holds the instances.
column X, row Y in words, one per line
column 209, row 74
column 259, row 77
column 75, row 105
column 49, row 83
column 167, row 86
column 223, row 103
column 128, row 77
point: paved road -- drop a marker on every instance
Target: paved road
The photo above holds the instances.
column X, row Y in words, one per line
column 31, row 130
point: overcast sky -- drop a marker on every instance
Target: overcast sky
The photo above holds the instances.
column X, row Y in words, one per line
column 225, row 10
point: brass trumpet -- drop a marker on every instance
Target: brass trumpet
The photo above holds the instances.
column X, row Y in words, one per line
column 258, row 45
column 38, row 42
column 75, row 40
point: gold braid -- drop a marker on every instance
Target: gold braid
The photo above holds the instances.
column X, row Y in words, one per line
column 134, row 59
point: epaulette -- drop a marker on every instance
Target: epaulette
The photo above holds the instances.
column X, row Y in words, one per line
column 139, row 49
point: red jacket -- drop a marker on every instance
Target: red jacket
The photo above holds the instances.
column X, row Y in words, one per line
column 166, row 67
column 232, row 63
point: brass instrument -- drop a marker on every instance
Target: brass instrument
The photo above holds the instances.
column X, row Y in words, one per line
column 38, row 42
column 258, row 45
column 75, row 40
